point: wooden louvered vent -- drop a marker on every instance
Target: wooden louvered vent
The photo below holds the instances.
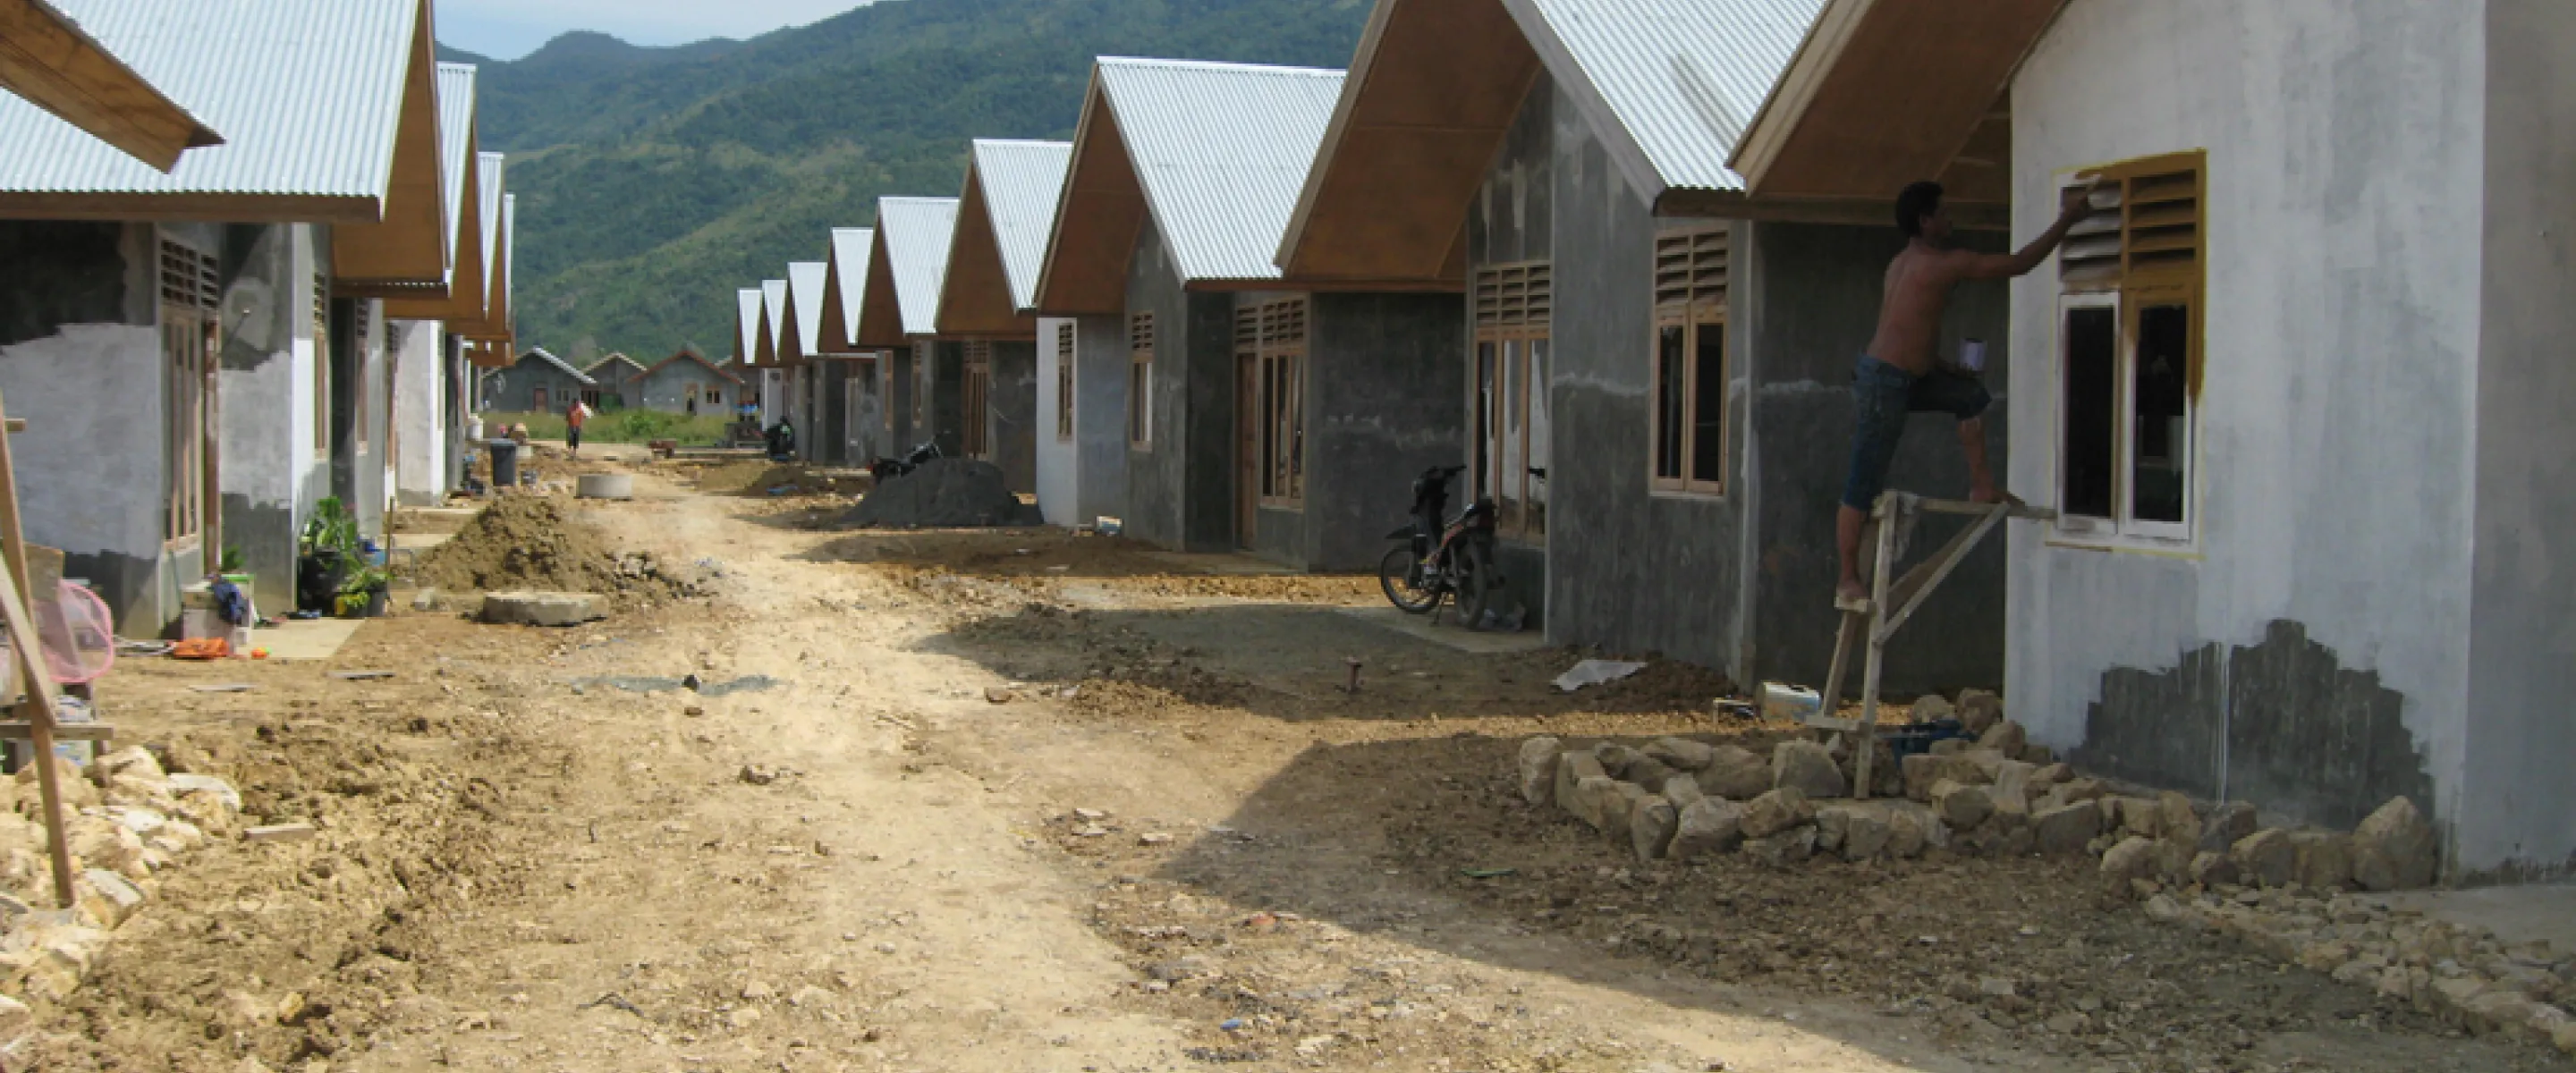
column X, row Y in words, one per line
column 1514, row 299
column 1690, row 272
column 2145, row 224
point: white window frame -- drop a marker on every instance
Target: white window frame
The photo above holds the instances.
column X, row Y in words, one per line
column 2122, row 529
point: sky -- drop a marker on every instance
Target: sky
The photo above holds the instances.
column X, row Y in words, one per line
column 509, row 29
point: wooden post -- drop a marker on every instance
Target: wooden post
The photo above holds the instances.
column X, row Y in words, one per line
column 29, row 651
column 1882, row 560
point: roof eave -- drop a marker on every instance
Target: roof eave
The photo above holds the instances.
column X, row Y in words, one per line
column 48, row 59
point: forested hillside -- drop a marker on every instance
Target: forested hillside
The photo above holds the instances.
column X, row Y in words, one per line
column 653, row 181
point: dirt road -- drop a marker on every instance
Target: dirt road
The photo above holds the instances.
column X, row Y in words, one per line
column 1037, row 802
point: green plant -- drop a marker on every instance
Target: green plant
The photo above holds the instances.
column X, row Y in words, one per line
column 331, row 530
column 361, row 588
column 231, row 560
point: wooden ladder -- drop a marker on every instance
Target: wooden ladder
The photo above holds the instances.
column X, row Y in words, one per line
column 1892, row 602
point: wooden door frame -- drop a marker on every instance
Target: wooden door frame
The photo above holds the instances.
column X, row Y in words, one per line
column 1247, row 448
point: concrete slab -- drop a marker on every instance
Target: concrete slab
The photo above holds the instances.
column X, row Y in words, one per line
column 319, row 638
column 2534, row 913
column 1448, row 634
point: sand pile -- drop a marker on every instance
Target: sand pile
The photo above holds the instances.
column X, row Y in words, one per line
column 525, row 542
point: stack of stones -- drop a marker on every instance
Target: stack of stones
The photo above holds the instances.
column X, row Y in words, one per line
column 126, row 819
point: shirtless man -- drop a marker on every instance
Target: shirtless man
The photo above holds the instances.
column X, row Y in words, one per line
column 1896, row 376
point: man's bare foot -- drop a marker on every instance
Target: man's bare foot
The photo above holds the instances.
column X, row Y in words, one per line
column 1850, row 592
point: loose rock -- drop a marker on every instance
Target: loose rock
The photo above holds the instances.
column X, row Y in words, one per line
column 1682, row 754
column 1786, row 847
column 1538, row 761
column 1806, row 767
column 2066, row 829
column 1980, row 710
column 2133, row 859
column 1775, row 811
column 1709, row 825
column 2267, row 858
column 1651, row 824
column 1960, row 806
column 1735, row 773
column 2394, row 848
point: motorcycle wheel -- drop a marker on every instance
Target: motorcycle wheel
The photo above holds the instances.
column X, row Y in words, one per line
column 1478, row 584
column 1400, row 574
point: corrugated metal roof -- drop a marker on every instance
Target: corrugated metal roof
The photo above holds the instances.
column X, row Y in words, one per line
column 773, row 307
column 746, row 312
column 455, row 127
column 1021, row 180
column 308, row 95
column 1221, row 150
column 917, row 231
column 510, row 261
column 488, row 190
column 541, row 352
column 805, row 292
column 1683, row 78
column 851, row 249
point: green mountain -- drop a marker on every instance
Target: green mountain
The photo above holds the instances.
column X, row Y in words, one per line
column 653, row 182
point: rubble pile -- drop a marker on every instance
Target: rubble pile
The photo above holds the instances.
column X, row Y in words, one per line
column 132, row 822
column 2288, row 891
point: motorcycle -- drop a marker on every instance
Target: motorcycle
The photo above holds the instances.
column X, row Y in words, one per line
column 921, row 454
column 1442, row 561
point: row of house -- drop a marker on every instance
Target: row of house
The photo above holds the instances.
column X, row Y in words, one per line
column 2288, row 386
column 684, row 383
column 205, row 346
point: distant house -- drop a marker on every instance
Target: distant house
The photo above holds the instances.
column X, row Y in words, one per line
column 203, row 349
column 862, row 373
column 899, row 310
column 686, row 383
column 988, row 296
column 616, row 375
column 816, row 435
column 2298, row 388
column 1255, row 410
column 538, row 383
column 767, row 359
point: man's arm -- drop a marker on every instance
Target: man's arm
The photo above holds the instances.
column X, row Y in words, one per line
column 2074, row 206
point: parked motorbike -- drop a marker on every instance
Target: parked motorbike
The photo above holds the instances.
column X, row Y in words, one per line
column 921, row 454
column 1451, row 560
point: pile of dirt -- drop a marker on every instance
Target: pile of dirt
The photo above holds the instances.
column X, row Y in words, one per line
column 760, row 477
column 945, row 493
column 527, row 542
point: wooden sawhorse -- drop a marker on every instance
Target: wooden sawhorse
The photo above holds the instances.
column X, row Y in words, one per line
column 1891, row 602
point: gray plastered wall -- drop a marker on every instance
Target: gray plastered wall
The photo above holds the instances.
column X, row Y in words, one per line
column 1011, row 419
column 1180, row 487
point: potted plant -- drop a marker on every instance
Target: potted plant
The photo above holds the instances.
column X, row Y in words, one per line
column 326, row 552
column 363, row 594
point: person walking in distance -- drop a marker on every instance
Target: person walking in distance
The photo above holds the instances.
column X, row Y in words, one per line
column 1897, row 375
column 574, row 417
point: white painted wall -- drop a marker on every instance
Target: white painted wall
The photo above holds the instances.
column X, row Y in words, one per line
column 1058, row 462
column 2344, row 142
column 420, row 413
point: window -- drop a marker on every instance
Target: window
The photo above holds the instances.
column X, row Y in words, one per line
column 1270, row 340
column 590, row 397
column 2129, row 355
column 1689, row 374
column 190, row 301
column 1140, row 381
column 1507, row 406
column 978, row 386
column 715, row 396
column 358, row 344
column 321, row 366
column 1064, row 381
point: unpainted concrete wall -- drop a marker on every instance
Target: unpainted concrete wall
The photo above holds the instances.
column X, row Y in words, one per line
column 2516, row 812
column 80, row 359
column 1180, row 488
column 832, row 402
column 1383, row 380
column 864, row 433
column 271, row 471
column 901, row 381
column 1011, row 415
column 1100, row 417
column 1513, row 219
column 1057, row 458
column 1804, row 304
column 2337, row 409
column 946, row 378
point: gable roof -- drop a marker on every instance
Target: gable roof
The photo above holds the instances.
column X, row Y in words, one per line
column 48, row 59
column 694, row 356
column 599, row 368
column 746, row 325
column 1881, row 94
column 904, row 272
column 499, row 236
column 845, row 285
column 1002, row 220
column 548, row 357
column 465, row 291
column 318, row 147
column 804, row 309
column 773, row 318
column 1215, row 153
column 1666, row 85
